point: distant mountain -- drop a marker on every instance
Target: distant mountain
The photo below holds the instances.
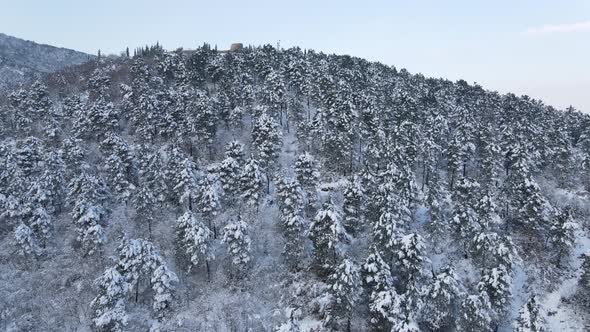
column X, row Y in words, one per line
column 22, row 60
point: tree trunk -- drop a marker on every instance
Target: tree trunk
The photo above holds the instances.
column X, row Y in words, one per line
column 208, row 271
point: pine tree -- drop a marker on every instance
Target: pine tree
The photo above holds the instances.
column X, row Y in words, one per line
column 342, row 286
column 392, row 308
column 584, row 281
column 186, row 184
column 465, row 219
column 308, row 176
column 474, row 314
column 235, row 150
column 388, row 229
column 209, row 202
column 352, row 206
column 229, row 176
column 376, row 278
column 435, row 200
column 87, row 218
column 497, row 283
column 88, row 194
column 109, row 312
column 193, row 240
column 529, row 319
column 266, row 139
column 163, row 281
column 562, row 233
column 145, row 207
column 326, row 233
column 26, row 242
column 235, row 235
column 251, row 182
column 290, row 199
column 441, row 297
column 409, row 259
column 41, row 224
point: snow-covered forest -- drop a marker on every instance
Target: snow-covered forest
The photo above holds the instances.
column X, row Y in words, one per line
column 286, row 190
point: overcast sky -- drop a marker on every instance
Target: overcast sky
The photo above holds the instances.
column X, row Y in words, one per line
column 540, row 48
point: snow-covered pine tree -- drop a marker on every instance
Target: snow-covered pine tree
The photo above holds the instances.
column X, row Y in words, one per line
column 88, row 194
column 163, row 281
column 193, row 241
column 440, row 300
column 229, row 176
column 474, row 314
column 306, row 169
column 529, row 318
column 326, row 233
column 465, row 220
column 584, row 281
column 251, row 182
column 186, row 184
column 145, row 207
column 235, row 235
column 290, row 199
column 209, row 201
column 393, row 309
column 352, row 205
column 409, row 259
column 109, row 312
column 266, row 140
column 41, row 224
column 435, row 200
column 235, row 150
column 562, row 233
column 376, row 277
column 343, row 289
column 26, row 242
column 497, row 284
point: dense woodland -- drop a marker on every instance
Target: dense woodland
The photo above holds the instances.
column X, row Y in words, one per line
column 287, row 190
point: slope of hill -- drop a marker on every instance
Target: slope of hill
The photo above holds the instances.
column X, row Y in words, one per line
column 21, row 61
column 271, row 189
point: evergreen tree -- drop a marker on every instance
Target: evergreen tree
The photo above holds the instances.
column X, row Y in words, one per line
column 229, row 176
column 290, row 199
column 308, row 176
column 186, row 184
column 41, row 224
column 235, row 235
column 497, row 283
column 474, row 314
column 163, row 281
column 193, row 240
column 26, row 242
column 465, row 219
column 209, row 204
column 266, row 139
column 409, row 260
column 352, row 205
column 441, row 298
column 529, row 319
column 326, row 233
column 342, row 286
column 376, row 278
column 109, row 312
column 562, row 233
column 435, row 200
column 251, row 182
column 145, row 207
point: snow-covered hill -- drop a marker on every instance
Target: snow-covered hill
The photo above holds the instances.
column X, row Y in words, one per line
column 287, row 190
column 21, row 60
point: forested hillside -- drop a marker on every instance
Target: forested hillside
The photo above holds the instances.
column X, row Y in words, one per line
column 21, row 61
column 287, row 190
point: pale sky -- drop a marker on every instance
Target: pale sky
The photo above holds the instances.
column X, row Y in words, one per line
column 540, row 48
